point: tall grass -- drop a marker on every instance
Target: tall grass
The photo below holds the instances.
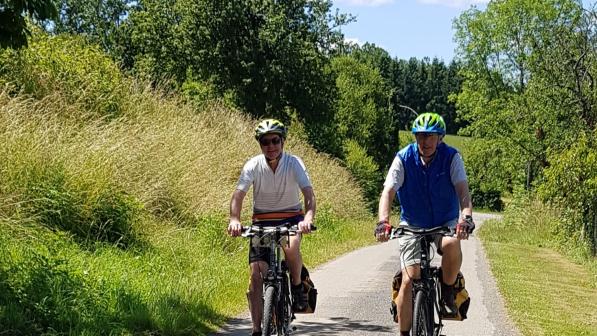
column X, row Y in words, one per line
column 118, row 225
column 114, row 200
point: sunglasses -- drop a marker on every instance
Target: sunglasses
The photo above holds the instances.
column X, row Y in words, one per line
column 266, row 142
column 425, row 134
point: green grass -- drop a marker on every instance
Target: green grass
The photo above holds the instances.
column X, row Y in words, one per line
column 187, row 281
column 546, row 293
column 113, row 201
column 116, row 226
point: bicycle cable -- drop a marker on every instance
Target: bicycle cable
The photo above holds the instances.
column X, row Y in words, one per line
column 431, row 253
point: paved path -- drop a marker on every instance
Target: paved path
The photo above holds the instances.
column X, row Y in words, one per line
column 354, row 296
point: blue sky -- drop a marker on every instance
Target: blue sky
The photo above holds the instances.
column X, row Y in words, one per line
column 407, row 28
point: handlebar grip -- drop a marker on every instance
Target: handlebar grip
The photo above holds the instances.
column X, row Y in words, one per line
column 470, row 224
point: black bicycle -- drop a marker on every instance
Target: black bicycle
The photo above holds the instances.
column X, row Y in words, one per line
column 277, row 299
column 427, row 317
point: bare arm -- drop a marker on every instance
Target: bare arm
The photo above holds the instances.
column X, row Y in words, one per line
column 466, row 206
column 236, row 205
column 385, row 207
column 385, row 203
column 309, row 199
column 464, row 198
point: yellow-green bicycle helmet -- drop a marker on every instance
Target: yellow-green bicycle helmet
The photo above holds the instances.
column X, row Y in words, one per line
column 269, row 126
column 429, row 122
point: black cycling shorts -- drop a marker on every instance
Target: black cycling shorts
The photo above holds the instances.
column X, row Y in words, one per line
column 263, row 253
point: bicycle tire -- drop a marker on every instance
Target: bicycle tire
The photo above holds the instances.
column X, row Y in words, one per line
column 422, row 318
column 284, row 309
column 269, row 311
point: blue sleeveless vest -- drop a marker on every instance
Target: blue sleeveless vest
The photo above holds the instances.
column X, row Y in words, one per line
column 427, row 196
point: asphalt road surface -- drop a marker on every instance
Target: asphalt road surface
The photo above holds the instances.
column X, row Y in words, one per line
column 355, row 292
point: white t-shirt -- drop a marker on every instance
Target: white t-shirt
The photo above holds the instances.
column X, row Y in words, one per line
column 395, row 176
column 274, row 192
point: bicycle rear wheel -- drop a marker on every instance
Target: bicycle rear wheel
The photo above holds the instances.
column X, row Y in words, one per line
column 269, row 311
column 422, row 316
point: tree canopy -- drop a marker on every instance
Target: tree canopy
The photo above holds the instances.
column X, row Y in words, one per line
column 13, row 21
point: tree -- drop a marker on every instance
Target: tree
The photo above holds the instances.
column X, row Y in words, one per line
column 529, row 92
column 504, row 50
column 270, row 56
column 425, row 85
column 362, row 111
column 98, row 20
column 13, row 25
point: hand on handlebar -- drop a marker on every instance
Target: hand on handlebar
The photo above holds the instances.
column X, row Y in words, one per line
column 305, row 226
column 234, row 228
column 464, row 227
column 382, row 231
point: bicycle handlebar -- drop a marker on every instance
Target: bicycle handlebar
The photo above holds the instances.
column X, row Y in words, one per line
column 404, row 230
column 291, row 229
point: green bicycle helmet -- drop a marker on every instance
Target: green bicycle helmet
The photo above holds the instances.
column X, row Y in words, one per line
column 429, row 122
column 269, row 126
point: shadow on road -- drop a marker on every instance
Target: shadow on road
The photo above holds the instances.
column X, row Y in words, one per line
column 340, row 326
column 328, row 326
column 235, row 326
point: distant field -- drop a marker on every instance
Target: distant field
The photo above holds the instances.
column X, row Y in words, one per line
column 456, row 141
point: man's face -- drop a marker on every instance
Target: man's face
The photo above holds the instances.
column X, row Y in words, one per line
column 427, row 143
column 271, row 145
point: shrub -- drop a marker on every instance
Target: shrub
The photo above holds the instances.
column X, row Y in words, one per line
column 90, row 214
column 82, row 72
column 41, row 293
column 365, row 170
column 489, row 199
column 570, row 182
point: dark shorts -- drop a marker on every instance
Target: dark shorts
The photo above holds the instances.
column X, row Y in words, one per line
column 263, row 253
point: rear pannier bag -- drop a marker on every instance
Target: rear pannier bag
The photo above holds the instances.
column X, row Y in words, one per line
column 309, row 292
column 462, row 299
column 396, row 283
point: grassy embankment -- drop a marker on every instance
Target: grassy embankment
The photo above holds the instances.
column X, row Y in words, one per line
column 114, row 200
column 547, row 291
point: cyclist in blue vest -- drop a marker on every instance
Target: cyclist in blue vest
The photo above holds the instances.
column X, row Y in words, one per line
column 430, row 181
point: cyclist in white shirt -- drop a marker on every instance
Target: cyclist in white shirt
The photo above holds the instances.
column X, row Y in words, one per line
column 277, row 178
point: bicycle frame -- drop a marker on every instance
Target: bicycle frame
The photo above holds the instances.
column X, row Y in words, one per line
column 429, row 285
column 426, row 288
column 278, row 312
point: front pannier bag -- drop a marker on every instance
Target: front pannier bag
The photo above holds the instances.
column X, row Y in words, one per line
column 462, row 300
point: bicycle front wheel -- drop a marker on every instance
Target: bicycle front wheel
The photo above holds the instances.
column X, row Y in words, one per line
column 269, row 311
column 422, row 316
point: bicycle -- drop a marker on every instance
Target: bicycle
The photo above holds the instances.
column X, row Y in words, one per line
column 277, row 298
column 427, row 315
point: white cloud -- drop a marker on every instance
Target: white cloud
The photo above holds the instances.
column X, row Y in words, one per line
column 454, row 3
column 354, row 40
column 369, row 3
